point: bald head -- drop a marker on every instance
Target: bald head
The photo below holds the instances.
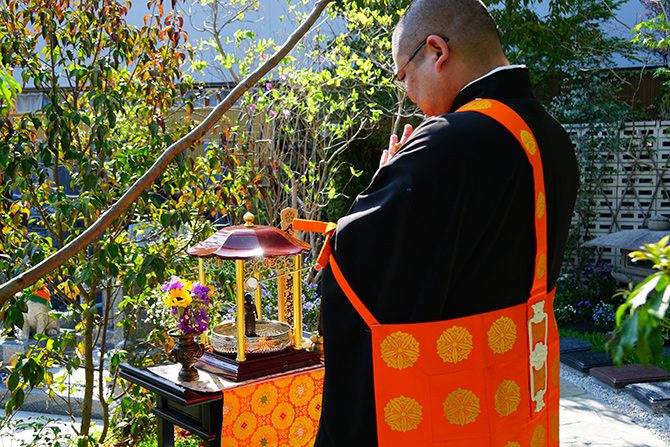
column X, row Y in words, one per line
column 471, row 30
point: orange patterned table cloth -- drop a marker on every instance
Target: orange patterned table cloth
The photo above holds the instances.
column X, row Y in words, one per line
column 282, row 411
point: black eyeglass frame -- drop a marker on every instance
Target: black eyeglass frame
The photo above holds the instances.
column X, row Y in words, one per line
column 395, row 79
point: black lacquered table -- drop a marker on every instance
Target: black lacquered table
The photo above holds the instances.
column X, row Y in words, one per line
column 199, row 413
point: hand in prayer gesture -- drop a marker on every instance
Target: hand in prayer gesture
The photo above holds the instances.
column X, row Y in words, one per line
column 395, row 145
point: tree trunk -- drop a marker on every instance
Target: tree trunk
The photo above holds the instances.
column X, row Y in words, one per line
column 89, row 372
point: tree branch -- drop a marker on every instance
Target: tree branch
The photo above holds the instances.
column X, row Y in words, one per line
column 57, row 259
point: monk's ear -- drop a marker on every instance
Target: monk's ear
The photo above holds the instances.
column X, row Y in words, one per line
column 439, row 49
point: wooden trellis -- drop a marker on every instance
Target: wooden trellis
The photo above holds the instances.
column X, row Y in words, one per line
column 635, row 184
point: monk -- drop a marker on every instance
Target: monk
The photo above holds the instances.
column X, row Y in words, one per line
column 446, row 227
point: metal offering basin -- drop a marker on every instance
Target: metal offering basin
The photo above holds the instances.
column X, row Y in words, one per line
column 272, row 336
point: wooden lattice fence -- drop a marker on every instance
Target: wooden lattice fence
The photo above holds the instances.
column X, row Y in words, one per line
column 625, row 177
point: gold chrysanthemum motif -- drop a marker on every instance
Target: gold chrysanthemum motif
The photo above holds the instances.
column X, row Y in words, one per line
column 301, row 432
column 502, row 335
column 231, row 408
column 512, row 444
column 461, row 407
column 403, row 414
column 454, row 345
column 301, row 391
column 529, row 142
column 554, row 427
column 265, row 436
column 507, row 397
column 400, row 350
column 556, row 372
column 541, row 205
column 283, row 416
column 314, row 407
column 264, row 399
column 481, row 104
column 245, row 425
column 541, row 266
column 539, row 437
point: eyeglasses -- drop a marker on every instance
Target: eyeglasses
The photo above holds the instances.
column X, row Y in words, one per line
column 400, row 83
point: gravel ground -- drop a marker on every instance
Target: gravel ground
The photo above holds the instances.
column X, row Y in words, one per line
column 621, row 402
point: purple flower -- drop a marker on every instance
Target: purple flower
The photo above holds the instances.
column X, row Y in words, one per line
column 252, row 108
column 174, row 283
column 272, row 113
column 201, row 292
column 286, row 112
column 268, row 85
column 264, row 56
column 282, row 77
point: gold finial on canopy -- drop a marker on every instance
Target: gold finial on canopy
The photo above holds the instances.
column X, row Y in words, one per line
column 248, row 219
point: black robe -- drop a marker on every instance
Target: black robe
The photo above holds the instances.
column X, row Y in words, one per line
column 445, row 230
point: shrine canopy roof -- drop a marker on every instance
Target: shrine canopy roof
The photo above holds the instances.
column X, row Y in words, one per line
column 248, row 242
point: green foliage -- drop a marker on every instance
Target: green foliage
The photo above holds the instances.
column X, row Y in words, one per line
column 569, row 37
column 654, row 36
column 111, row 88
column 9, row 88
column 46, row 432
column 643, row 321
column 584, row 297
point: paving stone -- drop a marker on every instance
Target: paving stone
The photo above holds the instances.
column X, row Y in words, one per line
column 571, row 344
column 9, row 347
column 585, row 360
column 620, row 376
column 655, row 395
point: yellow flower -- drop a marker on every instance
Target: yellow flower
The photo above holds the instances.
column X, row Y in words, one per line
column 245, row 425
column 264, row 399
column 461, row 407
column 283, row 415
column 180, row 297
column 302, row 431
column 454, row 345
column 539, row 437
column 502, row 335
column 507, row 397
column 265, row 436
column 400, row 350
column 403, row 414
column 301, row 391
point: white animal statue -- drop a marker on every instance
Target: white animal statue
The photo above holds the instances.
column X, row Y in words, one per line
column 37, row 320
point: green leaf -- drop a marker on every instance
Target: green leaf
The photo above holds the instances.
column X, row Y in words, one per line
column 13, row 381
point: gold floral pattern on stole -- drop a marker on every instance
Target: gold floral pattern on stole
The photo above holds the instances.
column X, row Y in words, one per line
column 529, row 142
column 502, row 335
column 454, row 345
column 461, row 407
column 399, row 350
column 403, row 414
column 507, row 397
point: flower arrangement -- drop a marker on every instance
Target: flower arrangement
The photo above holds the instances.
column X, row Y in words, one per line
column 188, row 302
